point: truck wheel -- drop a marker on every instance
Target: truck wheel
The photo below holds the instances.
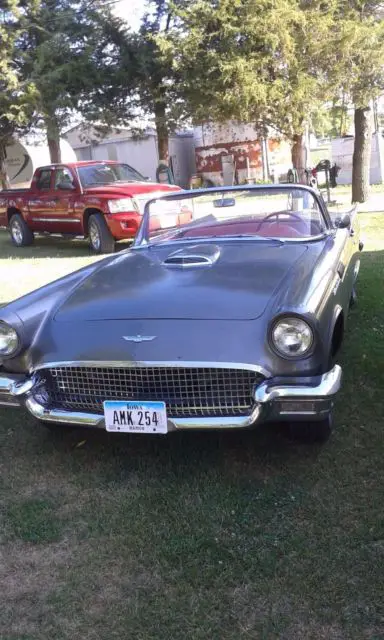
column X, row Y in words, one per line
column 311, row 432
column 21, row 234
column 100, row 237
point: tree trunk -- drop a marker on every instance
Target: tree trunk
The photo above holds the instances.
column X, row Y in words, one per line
column 53, row 139
column 362, row 154
column 162, row 132
column 299, row 157
column 4, row 179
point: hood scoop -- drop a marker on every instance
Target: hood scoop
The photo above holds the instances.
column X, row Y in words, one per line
column 193, row 257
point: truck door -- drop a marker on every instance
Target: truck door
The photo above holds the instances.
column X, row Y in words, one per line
column 41, row 204
column 64, row 193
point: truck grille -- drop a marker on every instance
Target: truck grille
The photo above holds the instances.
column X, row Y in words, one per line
column 187, row 392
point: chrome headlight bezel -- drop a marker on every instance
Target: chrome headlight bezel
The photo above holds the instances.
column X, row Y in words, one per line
column 14, row 337
column 296, row 322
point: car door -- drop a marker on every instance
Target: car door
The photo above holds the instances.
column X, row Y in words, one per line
column 347, row 239
column 41, row 204
column 65, row 189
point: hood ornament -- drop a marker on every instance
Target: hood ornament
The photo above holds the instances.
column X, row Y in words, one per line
column 139, row 338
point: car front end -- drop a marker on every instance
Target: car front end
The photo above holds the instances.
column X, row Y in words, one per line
column 221, row 392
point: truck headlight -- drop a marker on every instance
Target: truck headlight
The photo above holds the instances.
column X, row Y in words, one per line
column 122, row 205
column 9, row 340
column 292, row 337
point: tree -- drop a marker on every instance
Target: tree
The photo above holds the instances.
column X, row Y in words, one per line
column 16, row 95
column 70, row 54
column 363, row 26
column 332, row 120
column 154, row 76
column 254, row 61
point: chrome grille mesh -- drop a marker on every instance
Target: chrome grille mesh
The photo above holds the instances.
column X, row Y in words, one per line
column 187, row 391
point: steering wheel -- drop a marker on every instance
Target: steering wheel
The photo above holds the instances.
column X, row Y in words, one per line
column 277, row 215
column 282, row 213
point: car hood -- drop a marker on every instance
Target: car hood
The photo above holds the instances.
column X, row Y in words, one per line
column 130, row 189
column 235, row 282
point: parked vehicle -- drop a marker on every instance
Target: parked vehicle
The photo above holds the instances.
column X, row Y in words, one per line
column 226, row 321
column 103, row 201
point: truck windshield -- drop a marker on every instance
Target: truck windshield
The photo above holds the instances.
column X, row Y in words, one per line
column 105, row 173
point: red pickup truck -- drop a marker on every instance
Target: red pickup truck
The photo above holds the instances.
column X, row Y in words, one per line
column 102, row 201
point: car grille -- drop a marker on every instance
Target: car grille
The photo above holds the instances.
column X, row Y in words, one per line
column 186, row 391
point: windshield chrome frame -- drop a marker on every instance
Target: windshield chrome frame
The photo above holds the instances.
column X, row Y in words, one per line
column 143, row 239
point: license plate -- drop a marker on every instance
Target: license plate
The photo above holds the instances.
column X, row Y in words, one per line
column 135, row 417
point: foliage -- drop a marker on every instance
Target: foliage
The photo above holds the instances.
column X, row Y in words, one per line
column 69, row 52
column 251, row 60
column 155, row 78
column 17, row 94
column 331, row 121
column 358, row 64
column 356, row 57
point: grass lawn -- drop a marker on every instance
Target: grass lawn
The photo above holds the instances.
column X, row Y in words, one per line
column 198, row 536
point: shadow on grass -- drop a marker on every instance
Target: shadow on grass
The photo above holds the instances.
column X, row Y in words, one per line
column 47, row 246
column 262, row 451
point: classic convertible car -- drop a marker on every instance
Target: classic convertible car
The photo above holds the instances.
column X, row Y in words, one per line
column 233, row 318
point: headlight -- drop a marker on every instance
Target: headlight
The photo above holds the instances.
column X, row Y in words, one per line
column 292, row 337
column 123, row 205
column 9, row 340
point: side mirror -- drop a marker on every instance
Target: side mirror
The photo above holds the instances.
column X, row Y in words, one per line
column 66, row 186
column 344, row 222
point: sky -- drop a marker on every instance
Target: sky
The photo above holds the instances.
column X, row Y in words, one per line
column 130, row 10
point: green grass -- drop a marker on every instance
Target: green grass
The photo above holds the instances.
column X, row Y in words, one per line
column 201, row 536
column 27, row 268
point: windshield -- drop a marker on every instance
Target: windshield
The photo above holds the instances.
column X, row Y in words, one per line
column 108, row 173
column 283, row 213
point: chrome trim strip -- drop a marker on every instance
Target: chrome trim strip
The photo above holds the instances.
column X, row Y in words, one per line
column 208, row 240
column 329, row 385
column 97, row 421
column 56, row 220
column 149, row 363
column 59, row 415
column 240, row 422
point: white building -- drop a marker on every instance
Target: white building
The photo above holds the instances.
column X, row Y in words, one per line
column 342, row 155
column 138, row 151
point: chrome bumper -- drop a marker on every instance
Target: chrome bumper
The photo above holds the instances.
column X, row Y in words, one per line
column 14, row 390
column 276, row 399
column 303, row 398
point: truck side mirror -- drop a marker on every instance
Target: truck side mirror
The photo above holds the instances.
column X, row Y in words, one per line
column 66, row 186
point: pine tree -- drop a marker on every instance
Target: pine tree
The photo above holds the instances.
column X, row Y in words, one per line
column 359, row 37
column 155, row 78
column 255, row 61
column 70, row 54
column 16, row 94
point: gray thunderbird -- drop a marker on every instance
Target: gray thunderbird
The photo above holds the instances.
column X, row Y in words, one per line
column 229, row 310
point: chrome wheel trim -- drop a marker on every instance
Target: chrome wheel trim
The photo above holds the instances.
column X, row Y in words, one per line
column 17, row 232
column 94, row 236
